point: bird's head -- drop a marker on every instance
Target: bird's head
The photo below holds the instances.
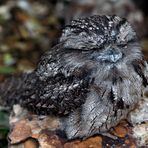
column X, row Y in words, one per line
column 108, row 38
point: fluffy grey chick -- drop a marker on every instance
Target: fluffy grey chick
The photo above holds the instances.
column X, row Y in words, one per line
column 90, row 80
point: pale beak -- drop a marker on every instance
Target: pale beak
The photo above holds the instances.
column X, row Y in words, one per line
column 110, row 55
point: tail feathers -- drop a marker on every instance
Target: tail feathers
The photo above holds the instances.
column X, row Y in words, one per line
column 12, row 88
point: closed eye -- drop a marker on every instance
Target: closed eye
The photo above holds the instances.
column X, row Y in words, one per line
column 97, row 48
column 94, row 48
column 122, row 45
column 84, row 49
column 76, row 49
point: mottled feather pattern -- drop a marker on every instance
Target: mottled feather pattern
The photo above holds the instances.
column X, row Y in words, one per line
column 11, row 89
column 58, row 95
column 90, row 80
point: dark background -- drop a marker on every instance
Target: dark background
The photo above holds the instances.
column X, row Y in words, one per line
column 30, row 27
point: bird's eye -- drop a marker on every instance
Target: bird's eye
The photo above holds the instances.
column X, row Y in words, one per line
column 97, row 48
column 77, row 50
column 122, row 45
column 94, row 48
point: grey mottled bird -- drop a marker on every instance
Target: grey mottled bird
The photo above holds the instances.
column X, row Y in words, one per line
column 90, row 80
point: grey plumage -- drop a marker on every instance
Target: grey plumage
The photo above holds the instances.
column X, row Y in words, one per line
column 90, row 80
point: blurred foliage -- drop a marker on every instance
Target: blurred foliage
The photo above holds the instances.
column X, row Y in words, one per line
column 4, row 128
column 27, row 29
column 7, row 70
column 30, row 27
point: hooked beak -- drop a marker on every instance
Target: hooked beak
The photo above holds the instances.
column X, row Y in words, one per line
column 111, row 55
column 114, row 55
